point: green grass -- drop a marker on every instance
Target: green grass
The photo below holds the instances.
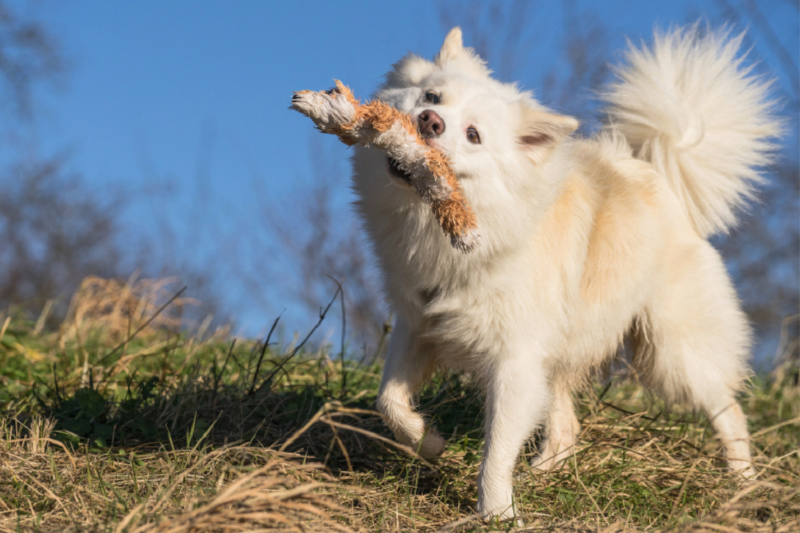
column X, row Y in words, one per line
column 171, row 433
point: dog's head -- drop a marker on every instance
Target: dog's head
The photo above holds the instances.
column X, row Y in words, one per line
column 498, row 138
column 472, row 117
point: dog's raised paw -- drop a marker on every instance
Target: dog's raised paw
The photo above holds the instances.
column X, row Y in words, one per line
column 432, row 445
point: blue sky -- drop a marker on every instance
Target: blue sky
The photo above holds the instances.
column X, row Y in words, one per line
column 183, row 103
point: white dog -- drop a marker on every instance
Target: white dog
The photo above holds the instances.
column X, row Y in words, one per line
column 584, row 242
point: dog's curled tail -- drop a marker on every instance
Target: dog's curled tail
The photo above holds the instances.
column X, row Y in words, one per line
column 691, row 108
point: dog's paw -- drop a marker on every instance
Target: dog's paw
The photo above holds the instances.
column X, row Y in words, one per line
column 549, row 460
column 542, row 464
column 500, row 513
column 744, row 470
column 515, row 522
column 555, row 450
column 432, row 445
column 546, row 463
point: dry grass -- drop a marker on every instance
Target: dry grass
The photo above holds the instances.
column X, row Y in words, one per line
column 116, row 308
column 625, row 478
column 171, row 434
column 163, row 491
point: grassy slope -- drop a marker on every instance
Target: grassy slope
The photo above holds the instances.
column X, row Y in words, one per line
column 171, row 434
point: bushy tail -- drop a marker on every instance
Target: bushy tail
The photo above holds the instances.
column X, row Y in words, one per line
column 691, row 108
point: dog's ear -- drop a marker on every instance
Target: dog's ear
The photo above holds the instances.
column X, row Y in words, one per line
column 453, row 51
column 453, row 46
column 541, row 131
column 409, row 71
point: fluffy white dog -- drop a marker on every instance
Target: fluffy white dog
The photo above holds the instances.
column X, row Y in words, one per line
column 584, row 242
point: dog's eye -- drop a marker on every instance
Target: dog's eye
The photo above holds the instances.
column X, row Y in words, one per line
column 472, row 136
column 432, row 97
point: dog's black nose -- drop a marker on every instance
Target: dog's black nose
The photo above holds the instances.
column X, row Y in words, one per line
column 430, row 123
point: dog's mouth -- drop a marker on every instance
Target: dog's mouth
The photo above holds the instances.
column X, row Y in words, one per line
column 397, row 172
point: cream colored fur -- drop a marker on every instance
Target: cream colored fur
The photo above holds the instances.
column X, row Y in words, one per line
column 583, row 243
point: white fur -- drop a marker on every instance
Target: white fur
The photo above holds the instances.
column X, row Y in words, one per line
column 689, row 107
column 582, row 244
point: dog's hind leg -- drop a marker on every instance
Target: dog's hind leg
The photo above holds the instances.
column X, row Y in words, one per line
column 561, row 429
column 695, row 346
column 407, row 366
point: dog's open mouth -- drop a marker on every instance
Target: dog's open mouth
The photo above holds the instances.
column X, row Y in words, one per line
column 397, row 172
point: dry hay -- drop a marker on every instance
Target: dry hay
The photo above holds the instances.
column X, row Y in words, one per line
column 115, row 308
column 252, row 488
column 268, row 497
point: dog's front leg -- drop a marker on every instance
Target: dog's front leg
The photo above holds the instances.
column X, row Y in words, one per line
column 516, row 401
column 407, row 366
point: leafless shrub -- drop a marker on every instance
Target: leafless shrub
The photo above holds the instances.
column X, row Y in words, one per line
column 763, row 255
column 324, row 241
column 54, row 229
column 53, row 233
column 28, row 56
